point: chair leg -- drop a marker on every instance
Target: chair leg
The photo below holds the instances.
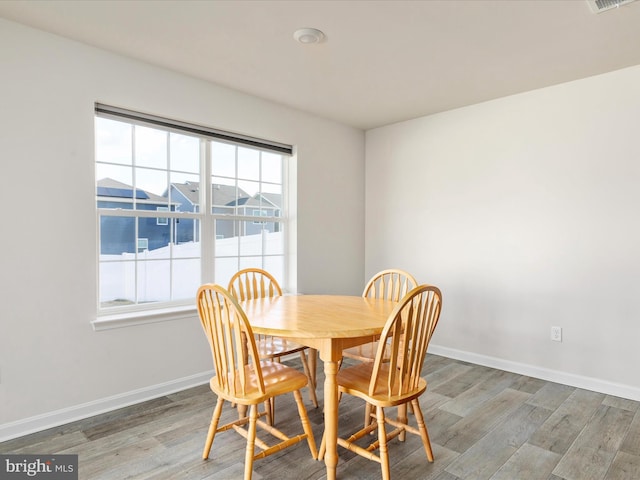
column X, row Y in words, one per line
column 272, row 410
column 313, row 365
column 424, row 434
column 367, row 415
column 323, row 447
column 402, row 418
column 306, row 426
column 310, row 377
column 251, row 439
column 269, row 410
column 213, row 427
column 382, row 438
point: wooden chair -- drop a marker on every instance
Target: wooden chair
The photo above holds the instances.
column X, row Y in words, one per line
column 252, row 283
column 396, row 381
column 391, row 284
column 243, row 378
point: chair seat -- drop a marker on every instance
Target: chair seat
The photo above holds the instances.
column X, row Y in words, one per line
column 355, row 381
column 365, row 353
column 274, row 347
column 278, row 379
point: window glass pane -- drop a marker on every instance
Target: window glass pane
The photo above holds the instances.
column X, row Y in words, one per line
column 251, row 238
column 271, row 167
column 157, row 231
column 248, row 164
column 114, row 186
column 113, row 141
column 250, row 262
column 184, row 153
column 273, row 239
column 247, row 192
column 225, row 269
column 185, row 278
column 152, row 188
column 185, row 192
column 227, row 238
column 271, row 199
column 186, row 237
column 117, row 284
column 275, row 266
column 223, row 159
column 117, row 236
column 154, row 281
column 150, row 147
column 224, row 195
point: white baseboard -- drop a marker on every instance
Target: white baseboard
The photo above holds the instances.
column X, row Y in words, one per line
column 78, row 412
column 89, row 409
column 587, row 383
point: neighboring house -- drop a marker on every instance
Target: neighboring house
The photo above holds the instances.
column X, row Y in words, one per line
column 117, row 234
column 263, row 205
column 187, row 198
column 227, row 200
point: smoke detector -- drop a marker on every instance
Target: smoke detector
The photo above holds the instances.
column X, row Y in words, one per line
column 598, row 6
column 309, row 35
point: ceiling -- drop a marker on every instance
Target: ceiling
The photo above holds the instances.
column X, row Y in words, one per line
column 382, row 61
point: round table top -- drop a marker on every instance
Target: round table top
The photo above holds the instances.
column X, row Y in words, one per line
column 318, row 316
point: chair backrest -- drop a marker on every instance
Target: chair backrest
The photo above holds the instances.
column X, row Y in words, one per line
column 252, row 283
column 231, row 340
column 406, row 336
column 392, row 284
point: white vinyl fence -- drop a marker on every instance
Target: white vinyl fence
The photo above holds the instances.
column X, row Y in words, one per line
column 173, row 272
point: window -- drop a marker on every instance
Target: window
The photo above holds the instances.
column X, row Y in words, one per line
column 143, row 244
column 146, row 166
column 163, row 220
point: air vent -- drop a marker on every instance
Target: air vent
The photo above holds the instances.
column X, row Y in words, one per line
column 598, row 6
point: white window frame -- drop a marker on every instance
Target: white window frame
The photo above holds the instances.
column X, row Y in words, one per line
column 116, row 317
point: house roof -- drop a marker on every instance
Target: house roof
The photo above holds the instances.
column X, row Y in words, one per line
column 222, row 194
column 108, row 187
column 274, row 199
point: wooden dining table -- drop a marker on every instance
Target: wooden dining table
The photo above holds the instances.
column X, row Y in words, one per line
column 329, row 324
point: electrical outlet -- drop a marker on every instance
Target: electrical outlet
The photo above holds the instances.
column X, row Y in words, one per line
column 556, row 334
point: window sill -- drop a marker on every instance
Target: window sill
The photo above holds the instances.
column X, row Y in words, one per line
column 130, row 319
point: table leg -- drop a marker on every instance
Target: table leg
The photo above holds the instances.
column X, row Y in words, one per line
column 331, row 418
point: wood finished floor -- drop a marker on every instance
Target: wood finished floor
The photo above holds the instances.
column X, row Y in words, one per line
column 483, row 424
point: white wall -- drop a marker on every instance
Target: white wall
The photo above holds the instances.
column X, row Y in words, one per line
column 51, row 360
column 524, row 211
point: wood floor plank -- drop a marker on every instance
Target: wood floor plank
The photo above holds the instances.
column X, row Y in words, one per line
column 595, row 447
column 622, row 403
column 631, row 443
column 624, row 467
column 551, row 396
column 528, row 384
column 461, row 383
column 530, row 463
column 475, row 396
column 565, row 424
column 470, row 429
column 417, row 461
column 443, row 375
column 489, row 454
